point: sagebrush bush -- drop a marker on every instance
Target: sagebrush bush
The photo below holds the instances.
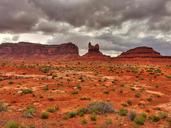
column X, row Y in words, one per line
column 30, row 112
column 12, row 124
column 140, row 119
column 123, row 112
column 100, row 107
column 71, row 114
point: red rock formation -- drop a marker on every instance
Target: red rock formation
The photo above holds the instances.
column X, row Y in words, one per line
column 141, row 52
column 24, row 49
column 94, row 52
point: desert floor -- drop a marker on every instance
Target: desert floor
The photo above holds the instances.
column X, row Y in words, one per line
column 84, row 94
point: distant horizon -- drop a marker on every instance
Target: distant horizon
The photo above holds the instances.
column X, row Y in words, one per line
column 84, row 51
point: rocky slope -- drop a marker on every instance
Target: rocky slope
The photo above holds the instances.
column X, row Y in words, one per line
column 24, row 50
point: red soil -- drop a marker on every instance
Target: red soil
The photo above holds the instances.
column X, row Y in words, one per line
column 112, row 81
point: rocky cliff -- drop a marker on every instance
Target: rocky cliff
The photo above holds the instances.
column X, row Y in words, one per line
column 24, row 49
column 141, row 52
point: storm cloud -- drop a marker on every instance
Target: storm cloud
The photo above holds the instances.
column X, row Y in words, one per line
column 116, row 25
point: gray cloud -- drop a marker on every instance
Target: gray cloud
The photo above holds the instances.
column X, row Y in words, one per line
column 17, row 16
column 116, row 25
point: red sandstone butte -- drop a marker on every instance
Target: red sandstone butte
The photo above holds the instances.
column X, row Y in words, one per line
column 29, row 50
column 141, row 52
column 94, row 53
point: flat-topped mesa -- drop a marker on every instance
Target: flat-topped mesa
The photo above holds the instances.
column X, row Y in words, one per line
column 94, row 52
column 25, row 49
column 141, row 52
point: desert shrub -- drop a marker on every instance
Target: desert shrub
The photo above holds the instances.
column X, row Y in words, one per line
column 26, row 91
column 168, row 76
column 149, row 99
column 108, row 122
column 52, row 109
column 100, row 107
column 12, row 124
column 137, row 95
column 123, row 112
column 30, row 112
column 85, row 98
column 44, row 115
column 74, row 92
column 132, row 115
column 140, row 119
column 169, row 122
column 106, row 92
column 129, row 102
column 10, row 82
column 83, row 121
column 81, row 111
column 78, row 87
column 71, row 114
column 93, row 117
column 31, row 126
column 162, row 115
column 45, row 69
column 3, row 107
column 154, row 118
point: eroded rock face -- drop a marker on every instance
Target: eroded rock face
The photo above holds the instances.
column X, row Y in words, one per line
column 93, row 49
column 24, row 49
column 141, row 52
column 94, row 52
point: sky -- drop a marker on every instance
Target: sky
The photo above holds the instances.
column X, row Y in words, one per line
column 117, row 25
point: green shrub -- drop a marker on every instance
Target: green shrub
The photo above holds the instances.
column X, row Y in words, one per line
column 81, row 111
column 45, row 115
column 123, row 112
column 12, row 124
column 100, row 107
column 93, row 117
column 108, row 122
column 71, row 114
column 139, row 120
column 30, row 112
column 26, row 91
column 52, row 109
column 162, row 115
column 154, row 118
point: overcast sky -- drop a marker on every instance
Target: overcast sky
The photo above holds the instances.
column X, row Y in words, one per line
column 117, row 25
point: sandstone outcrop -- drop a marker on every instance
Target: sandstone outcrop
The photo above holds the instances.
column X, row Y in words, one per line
column 140, row 52
column 25, row 49
column 94, row 52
